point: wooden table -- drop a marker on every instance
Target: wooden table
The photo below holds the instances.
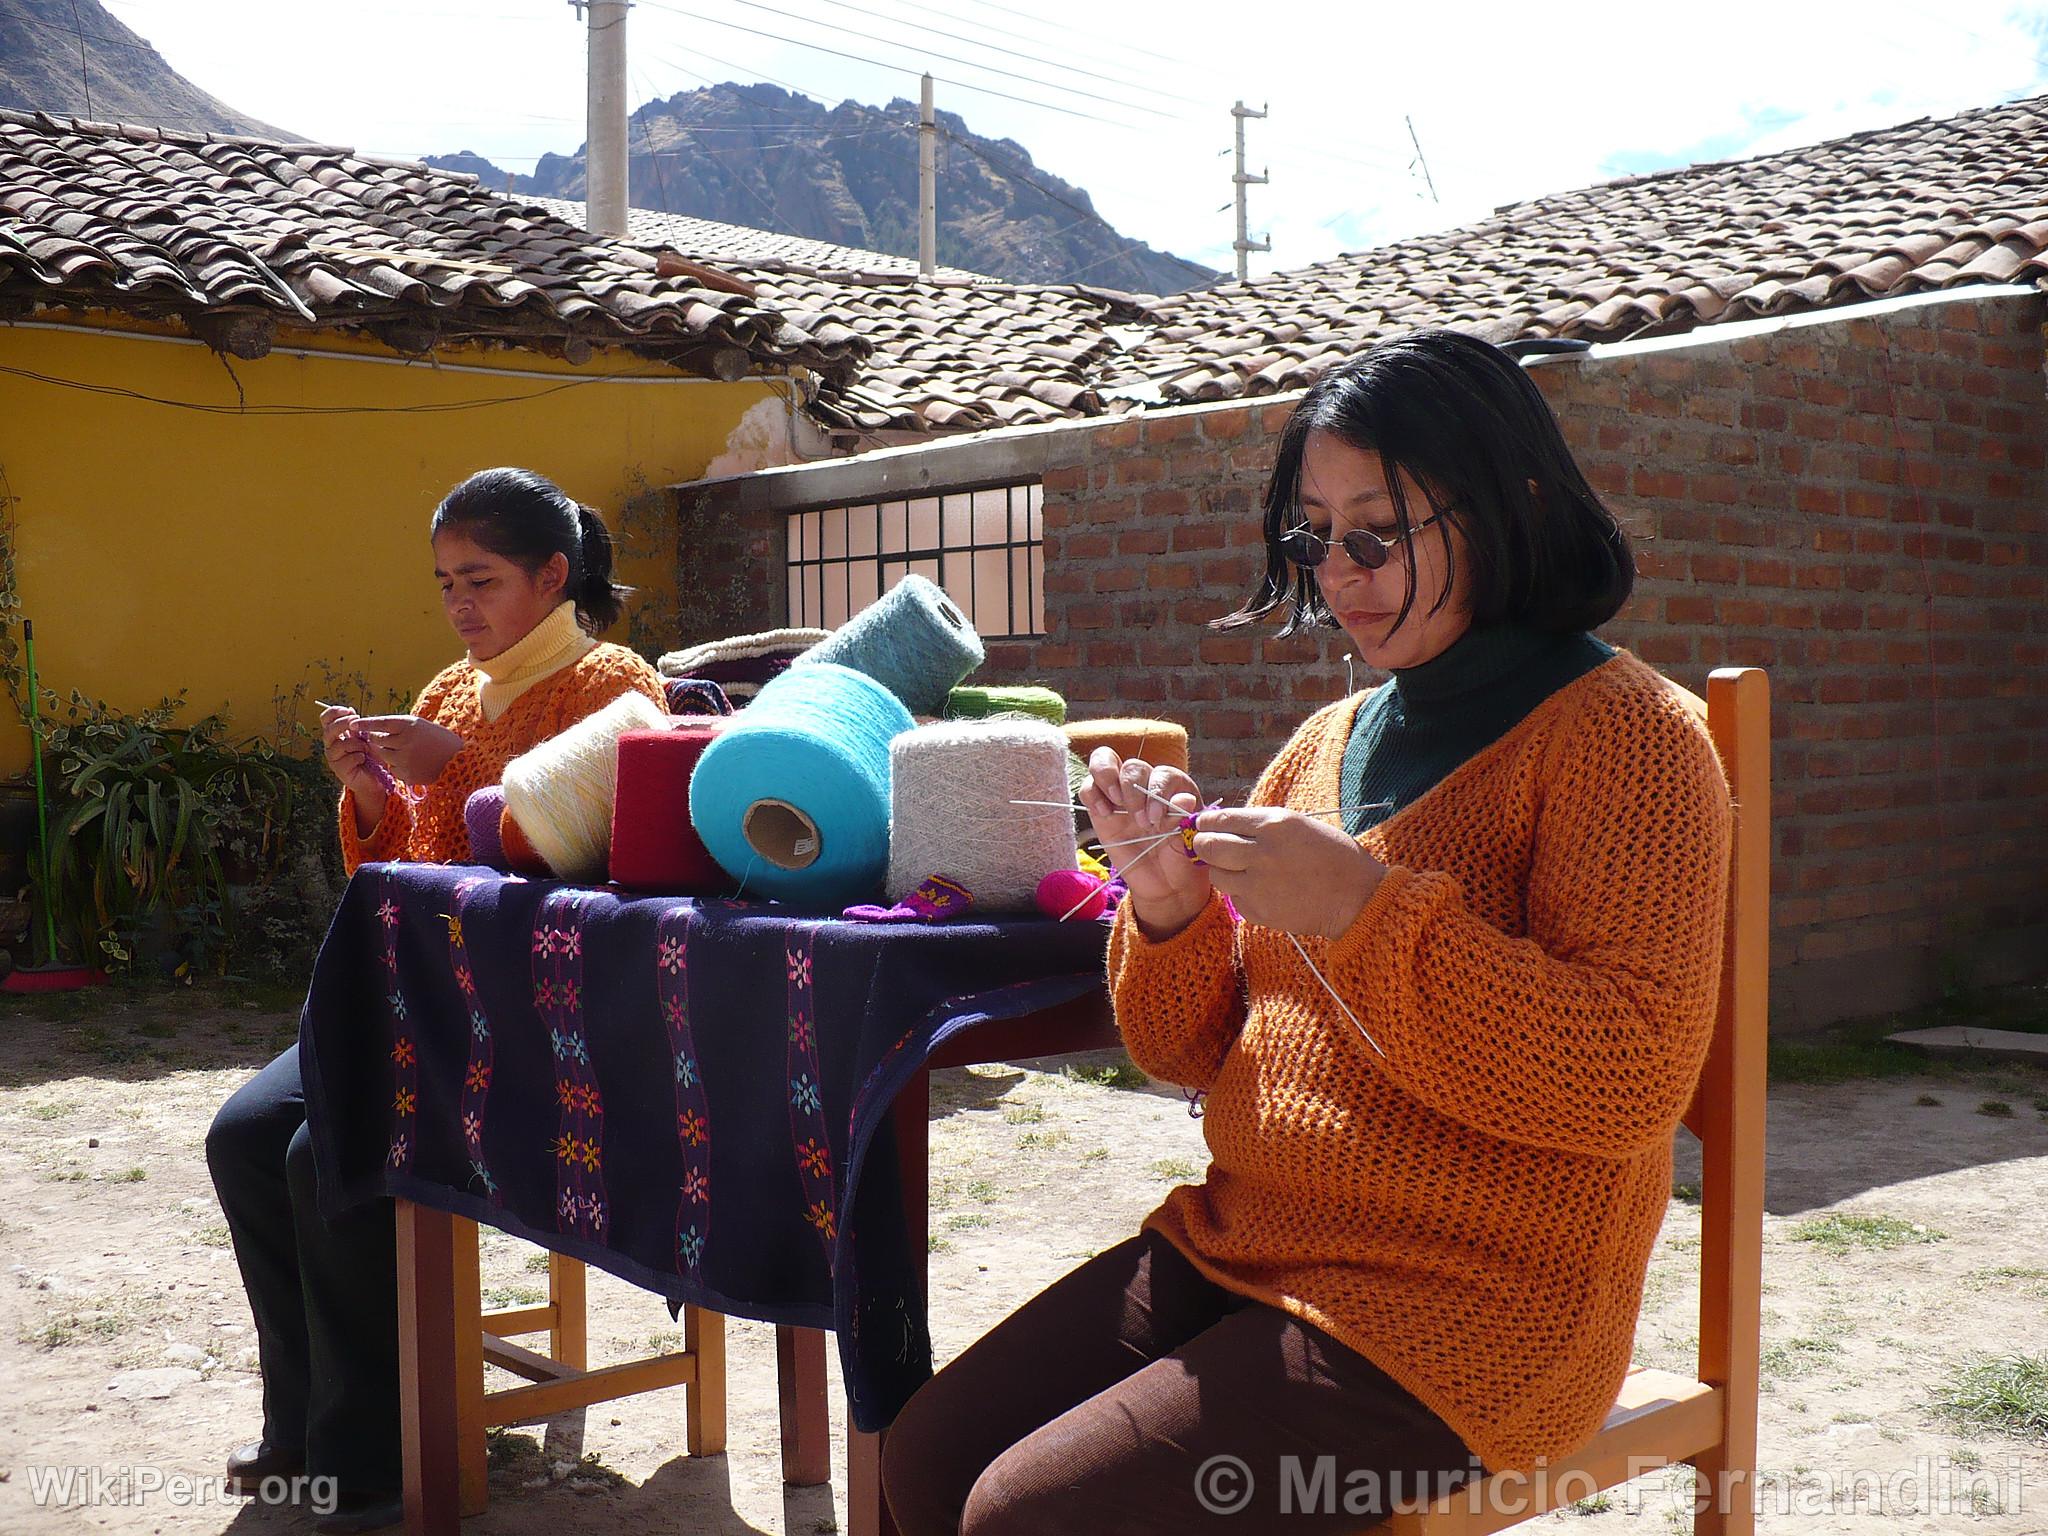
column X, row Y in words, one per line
column 432, row 1357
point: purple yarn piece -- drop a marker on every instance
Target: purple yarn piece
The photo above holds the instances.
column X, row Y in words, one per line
column 481, row 813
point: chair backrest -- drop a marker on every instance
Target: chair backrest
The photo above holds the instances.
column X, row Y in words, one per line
column 1727, row 1112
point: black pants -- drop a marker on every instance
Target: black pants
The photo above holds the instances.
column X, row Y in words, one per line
column 1136, row 1395
column 325, row 1293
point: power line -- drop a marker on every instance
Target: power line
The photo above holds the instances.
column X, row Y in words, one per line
column 950, row 58
column 974, row 42
column 1044, row 42
column 1087, row 214
column 1004, row 10
column 901, row 69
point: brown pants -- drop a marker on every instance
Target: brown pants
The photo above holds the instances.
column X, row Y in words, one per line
column 1135, row 1395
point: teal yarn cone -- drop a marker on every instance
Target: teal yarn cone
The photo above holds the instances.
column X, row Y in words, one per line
column 913, row 640
column 792, row 799
column 1033, row 702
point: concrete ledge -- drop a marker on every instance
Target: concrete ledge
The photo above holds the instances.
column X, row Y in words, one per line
column 1961, row 1041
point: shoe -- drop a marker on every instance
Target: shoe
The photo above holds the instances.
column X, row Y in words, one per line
column 250, row 1464
column 371, row 1512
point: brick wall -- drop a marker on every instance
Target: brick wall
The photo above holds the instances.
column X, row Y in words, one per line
column 1858, row 504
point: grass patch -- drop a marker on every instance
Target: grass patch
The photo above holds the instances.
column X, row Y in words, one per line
column 967, row 1223
column 1686, row 1194
column 2001, row 1394
column 537, row 1263
column 1041, row 1139
column 1117, row 1074
column 1859, row 1048
column 1174, row 1168
column 2030, row 1278
column 1023, row 1114
column 1095, row 1155
column 937, row 1244
column 1928, row 1101
column 214, row 1235
column 132, row 1176
column 1798, row 1355
column 1840, row 1233
column 1598, row 1504
column 1997, row 1109
column 52, row 1110
column 987, row 1191
column 512, row 1296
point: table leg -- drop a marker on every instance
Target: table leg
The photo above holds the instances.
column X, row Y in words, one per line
column 806, row 1421
column 867, row 1511
column 427, row 1355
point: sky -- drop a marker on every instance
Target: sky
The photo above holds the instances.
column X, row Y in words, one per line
column 1131, row 99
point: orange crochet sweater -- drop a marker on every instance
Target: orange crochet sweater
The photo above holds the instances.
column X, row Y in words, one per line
column 1473, row 1211
column 430, row 829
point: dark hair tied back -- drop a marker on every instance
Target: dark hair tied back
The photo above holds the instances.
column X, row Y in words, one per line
column 528, row 519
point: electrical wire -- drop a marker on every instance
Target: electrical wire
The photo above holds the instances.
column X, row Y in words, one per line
column 1030, row 58
column 428, row 409
column 901, row 69
column 950, row 58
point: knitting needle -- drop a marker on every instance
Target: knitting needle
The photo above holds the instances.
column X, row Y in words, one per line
column 1077, row 906
column 1319, row 976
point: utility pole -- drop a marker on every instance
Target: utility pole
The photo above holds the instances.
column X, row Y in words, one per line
column 1245, row 245
column 604, row 199
column 927, row 182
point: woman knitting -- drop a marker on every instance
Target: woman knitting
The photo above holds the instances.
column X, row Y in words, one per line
column 526, row 581
column 1445, row 1037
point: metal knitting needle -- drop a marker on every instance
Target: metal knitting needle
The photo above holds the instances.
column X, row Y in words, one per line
column 1077, row 906
column 1319, row 976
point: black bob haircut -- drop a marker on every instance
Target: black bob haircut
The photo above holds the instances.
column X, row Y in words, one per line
column 1468, row 424
column 528, row 519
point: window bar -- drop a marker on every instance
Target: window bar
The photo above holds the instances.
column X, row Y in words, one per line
column 973, row 575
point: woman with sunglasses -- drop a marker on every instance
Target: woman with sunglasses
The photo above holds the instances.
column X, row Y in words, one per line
column 1447, row 982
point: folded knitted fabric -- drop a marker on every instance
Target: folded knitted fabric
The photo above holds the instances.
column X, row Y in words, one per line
column 741, row 664
column 934, row 900
column 691, row 660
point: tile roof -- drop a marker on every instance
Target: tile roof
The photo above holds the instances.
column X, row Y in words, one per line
column 724, row 244
column 1930, row 204
column 230, row 234
column 958, row 351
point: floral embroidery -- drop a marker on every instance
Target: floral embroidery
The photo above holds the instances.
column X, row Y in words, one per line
column 403, row 1101
column 478, row 1076
column 819, row 1216
column 402, row 1053
column 803, row 1093
column 670, row 956
column 691, row 1127
column 814, row 1158
column 686, row 1072
column 697, row 1187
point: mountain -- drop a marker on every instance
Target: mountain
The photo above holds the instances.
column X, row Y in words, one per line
column 759, row 156
column 121, row 78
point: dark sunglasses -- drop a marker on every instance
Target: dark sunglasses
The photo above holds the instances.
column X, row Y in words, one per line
column 1305, row 547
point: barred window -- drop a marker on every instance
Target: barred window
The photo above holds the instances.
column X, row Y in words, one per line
column 985, row 547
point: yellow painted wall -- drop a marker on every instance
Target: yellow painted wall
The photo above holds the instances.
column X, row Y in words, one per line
column 160, row 548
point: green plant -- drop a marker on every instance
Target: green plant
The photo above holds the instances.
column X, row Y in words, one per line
column 135, row 831
column 1840, row 1233
column 2007, row 1394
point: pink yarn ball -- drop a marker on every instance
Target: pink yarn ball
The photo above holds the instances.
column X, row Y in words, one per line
column 1065, row 888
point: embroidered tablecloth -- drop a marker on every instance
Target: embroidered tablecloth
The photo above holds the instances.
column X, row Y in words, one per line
column 692, row 1095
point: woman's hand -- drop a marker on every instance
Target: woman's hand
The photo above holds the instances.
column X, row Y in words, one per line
column 415, row 750
column 1168, row 889
column 1285, row 870
column 349, row 755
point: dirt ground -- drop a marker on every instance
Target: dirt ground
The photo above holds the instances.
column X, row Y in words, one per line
column 125, row 1342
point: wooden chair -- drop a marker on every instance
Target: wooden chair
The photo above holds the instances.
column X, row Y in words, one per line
column 560, row 1379
column 1661, row 1418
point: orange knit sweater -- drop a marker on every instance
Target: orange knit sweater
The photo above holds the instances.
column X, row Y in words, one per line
column 1473, row 1211
column 430, row 828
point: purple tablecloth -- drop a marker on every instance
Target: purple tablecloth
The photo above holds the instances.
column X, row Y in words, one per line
column 691, row 1095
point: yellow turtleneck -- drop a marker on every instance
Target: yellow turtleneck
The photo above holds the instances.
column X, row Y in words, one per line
column 542, row 651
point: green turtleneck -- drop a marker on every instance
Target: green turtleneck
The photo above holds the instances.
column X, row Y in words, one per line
column 1411, row 733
